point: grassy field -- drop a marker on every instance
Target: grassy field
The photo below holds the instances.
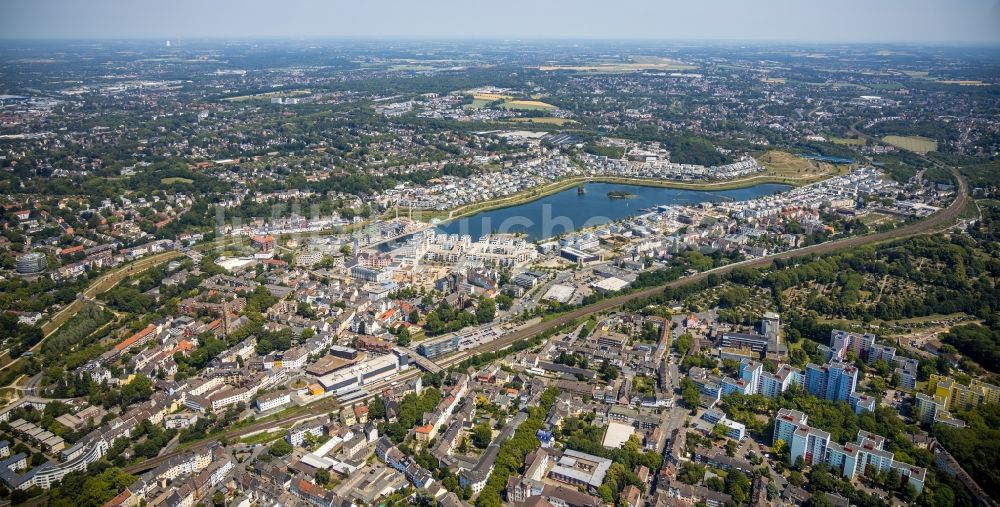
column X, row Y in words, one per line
column 915, row 144
column 637, row 64
column 785, row 165
column 924, row 75
column 963, row 82
column 527, row 105
column 847, row 141
column 262, row 438
column 410, row 67
column 548, row 120
column 885, row 86
column 268, row 95
column 171, row 181
column 477, row 104
column 490, row 97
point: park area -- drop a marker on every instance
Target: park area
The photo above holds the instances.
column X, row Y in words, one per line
column 916, row 144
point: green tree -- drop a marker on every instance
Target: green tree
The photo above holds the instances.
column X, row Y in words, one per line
column 819, row 499
column 715, row 484
column 376, row 408
column 486, row 311
column 322, row 477
column 403, row 337
column 691, row 473
column 738, row 486
column 280, row 448
column 482, row 435
column 690, row 393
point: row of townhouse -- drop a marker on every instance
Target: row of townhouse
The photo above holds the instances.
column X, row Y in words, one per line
column 89, row 449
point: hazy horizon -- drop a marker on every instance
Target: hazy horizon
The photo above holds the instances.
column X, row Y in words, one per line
column 784, row 21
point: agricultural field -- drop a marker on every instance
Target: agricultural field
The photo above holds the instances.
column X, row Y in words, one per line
column 527, row 105
column 491, row 97
column 481, row 100
column 924, row 75
column 916, row 144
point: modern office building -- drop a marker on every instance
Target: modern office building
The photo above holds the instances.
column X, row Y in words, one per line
column 755, row 342
column 438, row 347
column 734, row 429
column 31, row 263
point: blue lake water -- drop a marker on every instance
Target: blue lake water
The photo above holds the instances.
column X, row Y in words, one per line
column 825, row 158
column 567, row 211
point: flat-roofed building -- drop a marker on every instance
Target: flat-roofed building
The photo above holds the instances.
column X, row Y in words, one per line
column 580, row 469
column 364, row 373
column 439, row 346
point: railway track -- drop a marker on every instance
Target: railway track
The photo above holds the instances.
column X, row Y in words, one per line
column 930, row 224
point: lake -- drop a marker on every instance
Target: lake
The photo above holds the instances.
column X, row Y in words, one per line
column 832, row 160
column 567, row 211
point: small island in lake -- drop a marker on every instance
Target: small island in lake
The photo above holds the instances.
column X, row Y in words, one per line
column 620, row 194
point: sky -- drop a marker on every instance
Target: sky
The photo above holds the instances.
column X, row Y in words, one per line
column 937, row 21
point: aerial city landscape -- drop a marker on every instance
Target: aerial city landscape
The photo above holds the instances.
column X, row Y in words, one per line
column 545, row 270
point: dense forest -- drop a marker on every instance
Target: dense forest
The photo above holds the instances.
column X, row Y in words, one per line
column 977, row 446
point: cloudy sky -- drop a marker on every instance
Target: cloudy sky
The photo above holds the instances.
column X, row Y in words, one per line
column 765, row 20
